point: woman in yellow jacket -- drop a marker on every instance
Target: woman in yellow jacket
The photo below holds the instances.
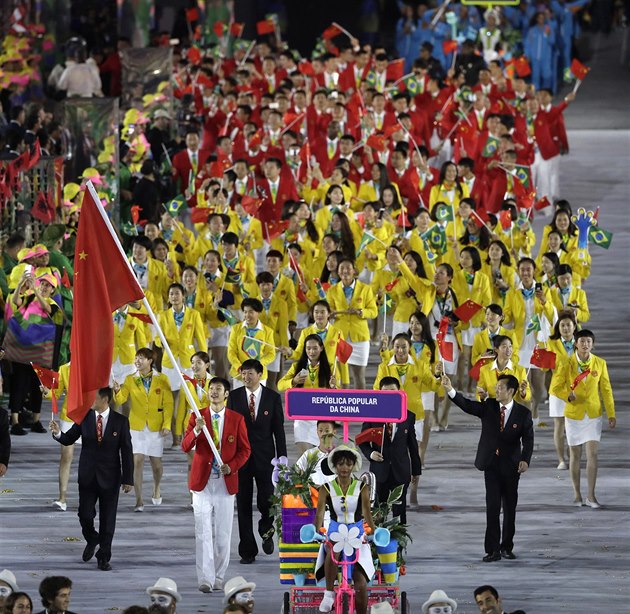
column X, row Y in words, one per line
column 330, row 334
column 130, row 334
column 568, row 297
column 250, row 339
column 150, row 417
column 183, row 328
column 503, row 365
column 448, row 188
column 470, row 283
column 370, row 191
column 482, row 344
column 416, row 378
column 498, row 267
column 353, row 304
column 562, row 344
column 583, row 411
column 311, row 370
column 67, row 452
column 198, row 386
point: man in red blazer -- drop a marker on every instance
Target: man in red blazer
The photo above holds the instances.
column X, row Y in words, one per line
column 213, row 486
column 275, row 189
column 187, row 164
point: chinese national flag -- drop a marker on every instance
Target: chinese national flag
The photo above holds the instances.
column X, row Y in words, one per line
column 199, row 215
column 144, row 317
column 274, row 229
column 445, row 347
column 306, row 68
column 505, row 218
column 331, row 31
column 377, row 142
column 467, row 310
column 579, row 378
column 476, row 370
column 250, row 204
column 236, row 29
column 390, row 286
column 395, row 70
column 219, row 28
column 192, row 15
column 266, row 26
column 194, row 55
column 522, row 67
column 543, row 359
column 49, row 379
column 449, row 47
column 373, row 435
column 542, row 203
column 103, row 282
column 578, row 70
column 343, row 351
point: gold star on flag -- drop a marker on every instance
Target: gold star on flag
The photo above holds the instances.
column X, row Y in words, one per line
column 82, row 255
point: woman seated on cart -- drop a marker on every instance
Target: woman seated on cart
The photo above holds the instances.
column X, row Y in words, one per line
column 348, row 500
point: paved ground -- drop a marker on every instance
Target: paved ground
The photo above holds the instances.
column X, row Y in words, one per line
column 572, row 559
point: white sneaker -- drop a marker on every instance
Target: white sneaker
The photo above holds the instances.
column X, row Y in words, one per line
column 218, row 585
column 61, row 505
column 327, row 602
column 562, row 465
column 592, row 504
column 138, row 508
column 156, row 501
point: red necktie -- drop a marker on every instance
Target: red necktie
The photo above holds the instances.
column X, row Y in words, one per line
column 502, row 418
column 99, row 428
column 252, row 407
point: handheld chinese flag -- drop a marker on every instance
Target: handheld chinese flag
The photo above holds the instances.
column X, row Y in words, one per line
column 390, row 286
column 543, row 359
column 445, row 347
column 266, row 26
column 475, row 372
column 250, row 204
column 274, row 229
column 377, row 142
column 395, row 70
column 505, row 218
column 542, row 204
column 331, row 32
column 343, row 351
column 306, row 68
column 236, row 29
column 192, row 14
column 579, row 378
column 578, row 70
column 522, row 67
column 199, row 215
column 449, row 47
column 103, row 282
column 373, row 435
column 48, row 379
column 467, row 310
column 219, row 28
column 135, row 213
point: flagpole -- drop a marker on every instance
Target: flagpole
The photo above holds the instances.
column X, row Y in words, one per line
column 154, row 320
column 384, row 312
column 262, row 342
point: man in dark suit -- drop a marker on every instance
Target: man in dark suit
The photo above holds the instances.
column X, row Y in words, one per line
column 262, row 410
column 504, row 452
column 106, row 462
column 397, row 460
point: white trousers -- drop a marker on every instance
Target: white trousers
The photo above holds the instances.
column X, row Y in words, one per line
column 545, row 175
column 213, row 508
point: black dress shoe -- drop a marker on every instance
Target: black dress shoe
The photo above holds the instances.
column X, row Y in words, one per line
column 88, row 552
column 38, row 427
column 494, row 556
column 104, row 565
column 508, row 554
column 17, row 429
column 248, row 560
column 267, row 545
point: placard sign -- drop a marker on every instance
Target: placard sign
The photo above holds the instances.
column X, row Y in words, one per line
column 346, row 405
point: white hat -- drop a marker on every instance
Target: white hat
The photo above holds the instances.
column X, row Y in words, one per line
column 161, row 113
column 344, row 447
column 236, row 585
column 384, row 607
column 8, row 577
column 438, row 597
column 165, row 585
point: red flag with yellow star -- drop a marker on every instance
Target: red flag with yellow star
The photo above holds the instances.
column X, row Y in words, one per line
column 103, row 282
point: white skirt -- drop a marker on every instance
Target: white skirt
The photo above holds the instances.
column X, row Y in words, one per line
column 173, row 379
column 305, row 431
column 274, row 365
column 419, row 430
column 580, row 431
column 149, row 443
column 428, row 400
column 556, row 407
column 219, row 337
column 302, row 319
column 360, row 355
column 468, row 335
column 120, row 371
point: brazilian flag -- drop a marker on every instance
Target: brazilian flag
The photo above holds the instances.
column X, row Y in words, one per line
column 252, row 348
column 371, row 78
column 386, row 306
column 366, row 239
column 599, row 236
column 436, row 238
column 523, row 175
column 431, row 256
column 444, row 213
column 533, row 325
column 230, row 318
column 412, row 85
column 490, row 147
column 174, row 206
